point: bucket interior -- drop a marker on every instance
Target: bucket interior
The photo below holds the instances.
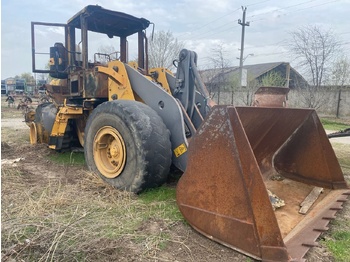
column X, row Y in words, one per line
column 236, row 156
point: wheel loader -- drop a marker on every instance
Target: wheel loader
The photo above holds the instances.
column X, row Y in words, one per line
column 134, row 122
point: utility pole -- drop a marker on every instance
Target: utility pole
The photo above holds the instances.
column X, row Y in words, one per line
column 243, row 23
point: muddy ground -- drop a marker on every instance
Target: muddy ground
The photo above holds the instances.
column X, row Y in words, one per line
column 184, row 244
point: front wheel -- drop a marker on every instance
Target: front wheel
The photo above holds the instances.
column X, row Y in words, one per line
column 128, row 145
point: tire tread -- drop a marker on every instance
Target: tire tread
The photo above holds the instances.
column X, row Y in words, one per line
column 149, row 131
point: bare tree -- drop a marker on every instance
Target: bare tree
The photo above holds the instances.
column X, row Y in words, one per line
column 314, row 48
column 341, row 72
column 220, row 65
column 27, row 76
column 106, row 53
column 219, row 58
column 246, row 93
column 164, row 48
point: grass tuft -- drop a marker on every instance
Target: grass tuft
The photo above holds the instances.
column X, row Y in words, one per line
column 333, row 124
column 161, row 202
column 81, row 219
column 72, row 158
column 158, row 194
column 339, row 246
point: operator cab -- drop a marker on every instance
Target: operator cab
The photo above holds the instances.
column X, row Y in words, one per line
column 69, row 61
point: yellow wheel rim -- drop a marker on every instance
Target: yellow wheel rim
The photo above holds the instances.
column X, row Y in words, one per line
column 33, row 135
column 109, row 152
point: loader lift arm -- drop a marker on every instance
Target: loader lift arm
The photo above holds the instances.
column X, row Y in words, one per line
column 188, row 82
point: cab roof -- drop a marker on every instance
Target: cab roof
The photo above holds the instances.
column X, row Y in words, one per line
column 110, row 22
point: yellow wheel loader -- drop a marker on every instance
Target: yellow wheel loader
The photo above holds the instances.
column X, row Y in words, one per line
column 246, row 170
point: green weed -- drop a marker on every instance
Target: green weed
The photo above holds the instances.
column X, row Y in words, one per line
column 161, row 203
column 339, row 246
column 158, row 194
column 334, row 124
column 72, row 158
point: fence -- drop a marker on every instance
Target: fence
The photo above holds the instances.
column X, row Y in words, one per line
column 326, row 102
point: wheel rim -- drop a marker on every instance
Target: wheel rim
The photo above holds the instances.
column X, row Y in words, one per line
column 109, row 152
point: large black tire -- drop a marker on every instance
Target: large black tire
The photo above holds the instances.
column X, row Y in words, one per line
column 135, row 130
column 45, row 115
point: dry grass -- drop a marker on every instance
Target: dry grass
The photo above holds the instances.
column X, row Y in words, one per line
column 10, row 112
column 19, row 136
column 53, row 211
column 342, row 152
column 64, row 213
column 337, row 239
column 87, row 220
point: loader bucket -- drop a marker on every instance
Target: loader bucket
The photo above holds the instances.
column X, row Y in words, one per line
column 271, row 96
column 235, row 158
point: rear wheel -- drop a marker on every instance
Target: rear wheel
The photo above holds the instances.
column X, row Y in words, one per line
column 128, row 145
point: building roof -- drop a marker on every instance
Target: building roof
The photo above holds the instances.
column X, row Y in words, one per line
column 260, row 69
column 255, row 71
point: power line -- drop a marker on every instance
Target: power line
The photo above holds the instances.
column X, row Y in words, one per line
column 283, row 8
column 185, row 34
column 225, row 24
column 216, row 32
column 279, row 53
column 295, row 10
column 228, row 26
column 273, row 44
column 259, row 3
column 270, row 54
column 216, row 19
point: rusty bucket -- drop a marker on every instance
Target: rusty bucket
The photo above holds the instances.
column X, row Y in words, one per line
column 237, row 156
column 271, row 96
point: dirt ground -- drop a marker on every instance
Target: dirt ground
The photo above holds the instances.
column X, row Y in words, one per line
column 184, row 244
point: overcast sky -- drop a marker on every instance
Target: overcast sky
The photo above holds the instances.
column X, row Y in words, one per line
column 201, row 24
